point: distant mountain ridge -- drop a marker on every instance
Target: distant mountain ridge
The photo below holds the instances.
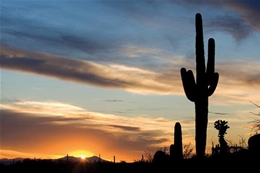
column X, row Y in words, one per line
column 91, row 159
column 6, row 161
column 88, row 159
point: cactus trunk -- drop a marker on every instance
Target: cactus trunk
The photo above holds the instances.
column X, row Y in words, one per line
column 201, row 122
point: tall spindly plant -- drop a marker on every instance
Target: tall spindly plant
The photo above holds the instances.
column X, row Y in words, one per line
column 222, row 126
column 199, row 90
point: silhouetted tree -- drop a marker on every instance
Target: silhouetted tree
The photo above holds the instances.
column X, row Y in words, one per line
column 148, row 154
column 256, row 122
column 187, row 151
column 198, row 91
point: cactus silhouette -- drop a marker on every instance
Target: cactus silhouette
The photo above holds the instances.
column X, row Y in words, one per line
column 178, row 141
column 198, row 91
column 176, row 150
column 221, row 126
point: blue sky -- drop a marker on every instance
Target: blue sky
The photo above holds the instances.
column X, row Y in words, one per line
column 104, row 76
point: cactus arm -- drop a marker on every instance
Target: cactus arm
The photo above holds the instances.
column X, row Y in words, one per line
column 214, row 83
column 211, row 56
column 188, row 82
column 212, row 78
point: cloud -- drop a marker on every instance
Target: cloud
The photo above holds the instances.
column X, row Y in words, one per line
column 249, row 10
column 219, row 113
column 86, row 28
column 48, row 108
column 235, row 26
column 12, row 154
column 127, row 128
column 240, row 72
column 45, row 28
column 114, row 100
column 237, row 79
column 238, row 82
column 68, row 41
column 135, row 51
column 109, row 76
column 61, row 113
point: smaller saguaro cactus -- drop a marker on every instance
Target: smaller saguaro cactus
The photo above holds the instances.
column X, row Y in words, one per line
column 178, row 140
column 176, row 149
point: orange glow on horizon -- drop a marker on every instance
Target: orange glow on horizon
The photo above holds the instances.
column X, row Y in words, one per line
column 81, row 154
column 82, row 157
column 11, row 154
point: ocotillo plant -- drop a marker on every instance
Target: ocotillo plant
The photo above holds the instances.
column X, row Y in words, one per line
column 176, row 150
column 198, row 91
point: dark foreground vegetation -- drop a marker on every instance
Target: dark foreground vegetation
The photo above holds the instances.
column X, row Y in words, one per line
column 238, row 161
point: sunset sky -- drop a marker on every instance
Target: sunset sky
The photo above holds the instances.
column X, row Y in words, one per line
column 103, row 77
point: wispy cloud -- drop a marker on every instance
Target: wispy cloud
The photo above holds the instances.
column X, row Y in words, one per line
column 235, row 26
column 110, row 76
column 127, row 128
column 64, row 113
column 219, row 113
column 238, row 83
column 135, row 51
column 16, row 154
column 248, row 10
column 115, row 100
column 61, row 113
column 48, row 108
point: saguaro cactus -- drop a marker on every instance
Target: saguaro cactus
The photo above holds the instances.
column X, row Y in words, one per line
column 176, row 149
column 198, row 91
column 178, row 141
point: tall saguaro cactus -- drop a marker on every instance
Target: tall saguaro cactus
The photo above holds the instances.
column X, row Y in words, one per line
column 198, row 91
